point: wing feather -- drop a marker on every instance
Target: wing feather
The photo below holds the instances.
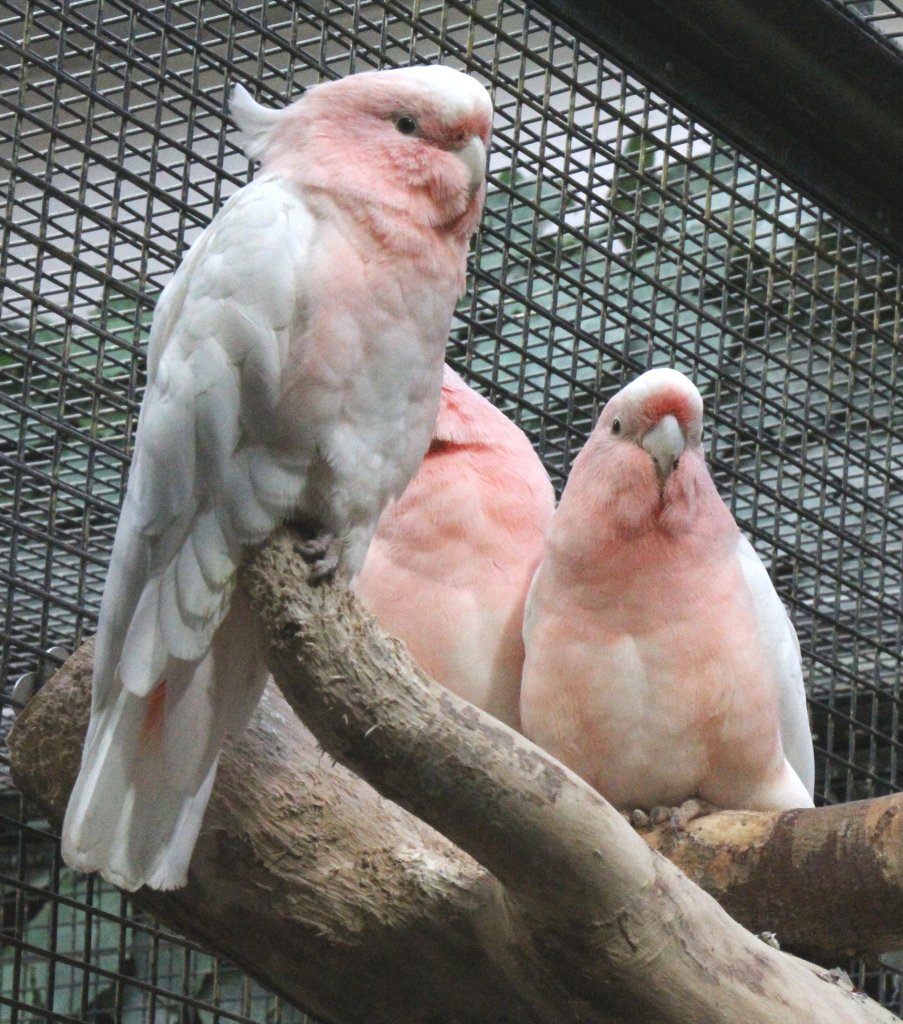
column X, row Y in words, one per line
column 207, row 477
column 204, row 479
column 143, row 652
column 215, row 553
column 780, row 640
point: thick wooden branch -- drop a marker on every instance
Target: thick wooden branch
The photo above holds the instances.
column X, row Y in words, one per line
column 326, row 893
column 583, row 889
column 828, row 881
column 356, row 910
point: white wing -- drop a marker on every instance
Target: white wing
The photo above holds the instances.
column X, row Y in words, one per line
column 780, row 640
column 208, row 477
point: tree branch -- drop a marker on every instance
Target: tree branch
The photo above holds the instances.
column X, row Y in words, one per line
column 829, row 881
column 583, row 889
column 357, row 911
column 329, row 895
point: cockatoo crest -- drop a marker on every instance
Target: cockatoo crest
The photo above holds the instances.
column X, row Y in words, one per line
column 255, row 122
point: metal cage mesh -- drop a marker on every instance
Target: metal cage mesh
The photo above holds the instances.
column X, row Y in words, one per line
column 883, row 18
column 619, row 233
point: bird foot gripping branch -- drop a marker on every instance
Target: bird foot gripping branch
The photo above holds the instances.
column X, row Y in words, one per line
column 322, row 555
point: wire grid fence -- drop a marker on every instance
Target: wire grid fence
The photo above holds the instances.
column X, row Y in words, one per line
column 618, row 233
column 883, row 18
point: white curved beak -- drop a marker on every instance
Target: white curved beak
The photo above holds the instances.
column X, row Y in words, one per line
column 665, row 444
column 473, row 155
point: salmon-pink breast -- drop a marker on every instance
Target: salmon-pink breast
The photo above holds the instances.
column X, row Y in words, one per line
column 452, row 559
column 657, row 666
column 294, row 371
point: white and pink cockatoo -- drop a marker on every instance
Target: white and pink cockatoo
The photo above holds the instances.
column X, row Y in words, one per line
column 661, row 665
column 452, row 558
column 294, row 370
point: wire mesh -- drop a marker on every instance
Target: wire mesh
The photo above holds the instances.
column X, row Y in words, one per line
column 883, row 18
column 618, row 233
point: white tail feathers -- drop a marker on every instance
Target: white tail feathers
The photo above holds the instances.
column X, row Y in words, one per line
column 121, row 821
column 254, row 121
column 150, row 760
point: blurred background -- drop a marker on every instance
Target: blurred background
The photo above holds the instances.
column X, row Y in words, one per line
column 620, row 232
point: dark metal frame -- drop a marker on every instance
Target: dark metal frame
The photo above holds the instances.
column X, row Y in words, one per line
column 800, row 86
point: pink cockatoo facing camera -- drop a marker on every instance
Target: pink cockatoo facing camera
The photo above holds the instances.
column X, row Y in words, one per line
column 452, row 558
column 294, row 371
column 661, row 664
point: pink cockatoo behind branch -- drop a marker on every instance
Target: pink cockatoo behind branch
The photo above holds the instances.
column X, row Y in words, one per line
column 294, row 370
column 452, row 558
column 661, row 665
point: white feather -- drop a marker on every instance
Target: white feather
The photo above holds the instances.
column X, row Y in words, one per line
column 780, row 641
column 216, row 556
column 143, row 654
column 139, row 799
column 138, row 804
column 254, row 121
column 185, row 636
column 197, row 599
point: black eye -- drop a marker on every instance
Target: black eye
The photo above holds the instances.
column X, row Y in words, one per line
column 406, row 125
column 616, row 426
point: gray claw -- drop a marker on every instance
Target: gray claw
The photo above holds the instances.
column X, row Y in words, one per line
column 322, row 555
column 680, row 817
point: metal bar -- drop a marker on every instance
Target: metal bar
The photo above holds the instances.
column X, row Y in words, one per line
column 799, row 86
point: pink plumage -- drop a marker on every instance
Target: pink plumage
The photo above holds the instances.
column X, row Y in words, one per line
column 660, row 664
column 449, row 567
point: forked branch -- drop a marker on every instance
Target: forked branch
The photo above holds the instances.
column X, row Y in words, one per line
column 557, row 910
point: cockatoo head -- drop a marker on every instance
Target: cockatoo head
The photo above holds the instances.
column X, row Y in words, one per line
column 413, row 140
column 660, row 416
column 643, row 466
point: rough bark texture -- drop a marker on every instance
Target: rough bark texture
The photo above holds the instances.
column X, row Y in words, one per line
column 359, row 912
column 828, row 881
column 328, row 894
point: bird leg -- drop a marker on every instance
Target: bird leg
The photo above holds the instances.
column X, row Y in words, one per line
column 321, row 552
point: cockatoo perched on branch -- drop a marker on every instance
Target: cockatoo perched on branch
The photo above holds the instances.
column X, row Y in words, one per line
column 294, row 371
column 661, row 664
column 449, row 567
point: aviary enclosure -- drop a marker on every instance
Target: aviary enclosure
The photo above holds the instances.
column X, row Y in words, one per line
column 620, row 232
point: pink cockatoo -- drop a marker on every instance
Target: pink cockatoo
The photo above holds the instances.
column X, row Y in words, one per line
column 661, row 665
column 452, row 558
column 294, row 371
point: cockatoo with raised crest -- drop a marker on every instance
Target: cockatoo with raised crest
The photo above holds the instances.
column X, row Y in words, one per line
column 661, row 665
column 294, row 371
column 452, row 558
